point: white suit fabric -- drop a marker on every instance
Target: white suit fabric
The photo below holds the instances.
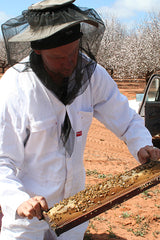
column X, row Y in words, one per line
column 33, row 160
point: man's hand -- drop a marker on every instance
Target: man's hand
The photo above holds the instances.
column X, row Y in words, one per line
column 33, row 207
column 148, row 153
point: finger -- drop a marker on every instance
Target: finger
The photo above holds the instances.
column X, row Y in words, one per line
column 143, row 156
column 33, row 207
column 153, row 152
column 43, row 203
column 36, row 208
column 26, row 210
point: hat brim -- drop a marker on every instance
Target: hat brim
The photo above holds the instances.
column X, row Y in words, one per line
column 29, row 34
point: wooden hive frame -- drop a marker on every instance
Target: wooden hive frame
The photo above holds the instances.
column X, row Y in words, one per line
column 94, row 200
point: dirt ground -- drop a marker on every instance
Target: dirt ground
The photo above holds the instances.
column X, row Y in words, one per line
column 105, row 155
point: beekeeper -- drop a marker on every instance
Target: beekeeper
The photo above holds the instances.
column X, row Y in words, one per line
column 47, row 101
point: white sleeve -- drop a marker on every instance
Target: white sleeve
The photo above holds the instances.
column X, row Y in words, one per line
column 12, row 192
column 112, row 109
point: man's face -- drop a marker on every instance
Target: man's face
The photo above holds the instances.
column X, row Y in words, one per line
column 60, row 61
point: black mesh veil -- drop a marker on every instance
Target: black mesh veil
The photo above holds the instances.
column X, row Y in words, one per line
column 16, row 51
column 92, row 29
column 19, row 48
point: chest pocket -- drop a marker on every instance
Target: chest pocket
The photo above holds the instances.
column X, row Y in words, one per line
column 43, row 135
column 42, row 152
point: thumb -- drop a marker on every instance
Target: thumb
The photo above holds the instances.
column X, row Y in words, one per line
column 143, row 155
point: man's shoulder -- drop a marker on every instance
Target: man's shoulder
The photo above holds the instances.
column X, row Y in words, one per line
column 17, row 68
column 18, row 77
column 101, row 73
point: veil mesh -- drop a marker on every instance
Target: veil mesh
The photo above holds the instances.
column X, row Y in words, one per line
column 16, row 51
column 92, row 35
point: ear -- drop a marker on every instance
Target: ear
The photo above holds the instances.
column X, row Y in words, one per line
column 37, row 51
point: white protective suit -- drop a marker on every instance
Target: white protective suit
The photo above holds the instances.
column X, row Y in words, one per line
column 32, row 158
